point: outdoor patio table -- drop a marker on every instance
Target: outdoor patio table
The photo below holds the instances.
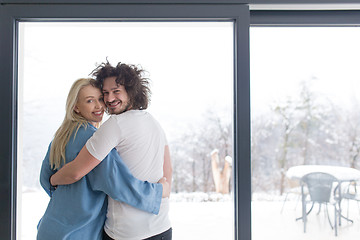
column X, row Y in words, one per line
column 343, row 174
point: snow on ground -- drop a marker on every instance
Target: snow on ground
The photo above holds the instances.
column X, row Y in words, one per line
column 269, row 223
column 210, row 216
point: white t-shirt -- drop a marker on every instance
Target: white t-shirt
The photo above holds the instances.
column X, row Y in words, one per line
column 140, row 141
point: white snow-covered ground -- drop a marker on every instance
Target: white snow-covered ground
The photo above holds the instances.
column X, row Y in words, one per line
column 192, row 218
column 269, row 223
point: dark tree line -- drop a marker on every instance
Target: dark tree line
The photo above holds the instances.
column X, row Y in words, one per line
column 304, row 129
column 297, row 130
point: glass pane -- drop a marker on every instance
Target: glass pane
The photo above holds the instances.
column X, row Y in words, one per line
column 305, row 106
column 190, row 65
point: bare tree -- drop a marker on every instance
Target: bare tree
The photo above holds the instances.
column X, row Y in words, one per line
column 289, row 122
column 194, row 158
column 350, row 130
column 307, row 107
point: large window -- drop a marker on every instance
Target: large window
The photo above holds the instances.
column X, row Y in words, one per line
column 192, row 56
column 305, row 115
column 54, row 55
column 265, row 194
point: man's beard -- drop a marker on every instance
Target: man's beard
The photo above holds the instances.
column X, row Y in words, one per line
column 113, row 111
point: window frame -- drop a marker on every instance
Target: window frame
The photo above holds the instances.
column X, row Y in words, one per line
column 304, row 18
column 11, row 14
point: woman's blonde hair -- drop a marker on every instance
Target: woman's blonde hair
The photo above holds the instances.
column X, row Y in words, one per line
column 72, row 121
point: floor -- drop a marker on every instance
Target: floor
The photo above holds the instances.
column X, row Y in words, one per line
column 269, row 223
column 214, row 220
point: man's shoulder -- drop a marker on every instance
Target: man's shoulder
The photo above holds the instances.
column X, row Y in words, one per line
column 130, row 114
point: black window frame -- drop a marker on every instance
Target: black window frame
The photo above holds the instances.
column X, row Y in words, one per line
column 11, row 14
column 11, row 10
column 304, row 18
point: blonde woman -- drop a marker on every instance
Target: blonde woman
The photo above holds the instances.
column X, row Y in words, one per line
column 77, row 211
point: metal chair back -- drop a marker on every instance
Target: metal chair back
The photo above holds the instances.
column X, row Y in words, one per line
column 319, row 185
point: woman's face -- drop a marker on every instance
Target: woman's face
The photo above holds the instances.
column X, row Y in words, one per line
column 90, row 104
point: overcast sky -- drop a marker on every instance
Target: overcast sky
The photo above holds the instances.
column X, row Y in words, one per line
column 190, row 64
column 282, row 57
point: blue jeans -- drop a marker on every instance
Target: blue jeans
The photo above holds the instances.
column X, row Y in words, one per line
column 167, row 235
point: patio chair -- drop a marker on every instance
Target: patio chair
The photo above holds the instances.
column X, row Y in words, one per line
column 351, row 192
column 294, row 188
column 319, row 186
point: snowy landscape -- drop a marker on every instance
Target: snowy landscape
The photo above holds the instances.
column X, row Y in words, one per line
column 193, row 216
column 197, row 216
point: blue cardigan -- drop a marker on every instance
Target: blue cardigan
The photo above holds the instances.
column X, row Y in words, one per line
column 78, row 211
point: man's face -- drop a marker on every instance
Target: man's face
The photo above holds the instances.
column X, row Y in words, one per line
column 115, row 96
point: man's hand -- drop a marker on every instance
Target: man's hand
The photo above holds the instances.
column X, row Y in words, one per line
column 51, row 183
column 166, row 187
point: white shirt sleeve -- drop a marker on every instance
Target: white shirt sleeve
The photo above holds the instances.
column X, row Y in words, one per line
column 104, row 139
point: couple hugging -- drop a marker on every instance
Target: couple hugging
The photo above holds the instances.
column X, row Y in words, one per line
column 111, row 181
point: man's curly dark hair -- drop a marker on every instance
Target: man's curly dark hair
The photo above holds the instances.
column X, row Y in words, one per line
column 131, row 77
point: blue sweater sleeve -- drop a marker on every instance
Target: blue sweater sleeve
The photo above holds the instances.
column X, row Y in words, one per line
column 114, row 178
column 45, row 173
